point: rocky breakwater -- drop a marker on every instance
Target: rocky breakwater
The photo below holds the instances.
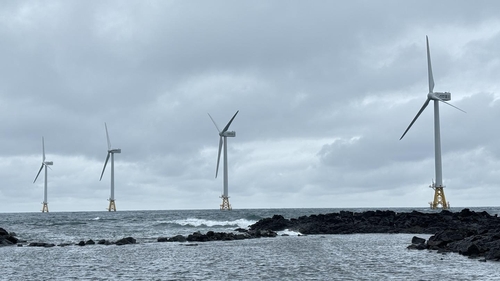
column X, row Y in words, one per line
column 470, row 233
column 346, row 222
column 9, row 239
column 477, row 237
column 220, row 236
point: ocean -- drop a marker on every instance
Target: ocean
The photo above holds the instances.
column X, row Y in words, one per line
column 293, row 257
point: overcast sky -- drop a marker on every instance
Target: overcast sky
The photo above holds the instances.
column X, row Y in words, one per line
column 325, row 90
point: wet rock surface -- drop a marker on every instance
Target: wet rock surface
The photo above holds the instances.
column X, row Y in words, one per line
column 7, row 239
column 474, row 234
column 220, row 236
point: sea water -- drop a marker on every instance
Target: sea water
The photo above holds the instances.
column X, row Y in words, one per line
column 293, row 257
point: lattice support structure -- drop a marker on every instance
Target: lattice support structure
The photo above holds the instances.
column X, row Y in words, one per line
column 45, row 207
column 112, row 206
column 225, row 203
column 439, row 198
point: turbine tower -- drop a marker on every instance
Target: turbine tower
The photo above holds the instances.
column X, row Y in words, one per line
column 439, row 197
column 112, row 206
column 45, row 207
column 224, row 134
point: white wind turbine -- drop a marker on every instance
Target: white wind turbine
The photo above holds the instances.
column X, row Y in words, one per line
column 112, row 206
column 437, row 97
column 45, row 207
column 224, row 134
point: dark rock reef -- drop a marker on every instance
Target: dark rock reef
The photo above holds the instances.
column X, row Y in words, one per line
column 6, row 238
column 220, row 236
column 346, row 222
column 474, row 234
column 478, row 237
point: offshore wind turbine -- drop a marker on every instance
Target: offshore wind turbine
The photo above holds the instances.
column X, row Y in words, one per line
column 224, row 134
column 111, row 152
column 439, row 197
column 45, row 207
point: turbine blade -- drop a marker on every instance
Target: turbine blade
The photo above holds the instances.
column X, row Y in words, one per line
column 415, row 119
column 105, row 163
column 429, row 67
column 218, row 157
column 38, row 173
column 107, row 136
column 436, row 97
column 43, row 150
column 230, row 121
column 214, row 122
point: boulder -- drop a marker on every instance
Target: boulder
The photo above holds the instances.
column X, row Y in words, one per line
column 125, row 241
column 41, row 244
column 6, row 238
column 104, row 242
column 417, row 243
column 177, row 238
column 3, row 232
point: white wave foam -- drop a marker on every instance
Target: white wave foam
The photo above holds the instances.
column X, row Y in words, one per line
column 95, row 219
column 242, row 223
column 289, row 232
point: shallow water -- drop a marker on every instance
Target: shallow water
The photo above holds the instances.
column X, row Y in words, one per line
column 313, row 257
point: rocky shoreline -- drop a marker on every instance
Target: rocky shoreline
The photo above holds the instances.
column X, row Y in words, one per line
column 473, row 234
column 10, row 239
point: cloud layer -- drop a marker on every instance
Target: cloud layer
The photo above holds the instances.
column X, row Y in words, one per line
column 324, row 90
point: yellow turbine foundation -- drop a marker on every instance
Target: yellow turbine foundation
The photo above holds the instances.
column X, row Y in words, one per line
column 225, row 203
column 112, row 206
column 439, row 198
column 45, row 207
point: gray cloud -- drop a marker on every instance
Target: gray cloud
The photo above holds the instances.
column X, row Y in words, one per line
column 324, row 90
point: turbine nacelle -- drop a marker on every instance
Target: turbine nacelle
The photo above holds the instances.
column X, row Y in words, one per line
column 116, row 150
column 230, row 134
column 49, row 163
column 443, row 96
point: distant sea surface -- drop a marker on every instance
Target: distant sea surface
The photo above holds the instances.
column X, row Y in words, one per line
column 312, row 257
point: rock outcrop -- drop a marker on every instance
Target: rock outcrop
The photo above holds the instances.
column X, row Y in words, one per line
column 219, row 236
column 346, row 222
column 6, row 238
column 477, row 237
column 474, row 234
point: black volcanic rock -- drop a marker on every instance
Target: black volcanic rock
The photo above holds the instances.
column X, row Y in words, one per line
column 474, row 234
column 417, row 243
column 219, row 236
column 6, row 238
column 41, row 244
column 177, row 238
column 276, row 223
column 381, row 222
column 3, row 232
column 125, row 241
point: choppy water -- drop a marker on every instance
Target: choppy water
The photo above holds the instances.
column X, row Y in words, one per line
column 313, row 257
